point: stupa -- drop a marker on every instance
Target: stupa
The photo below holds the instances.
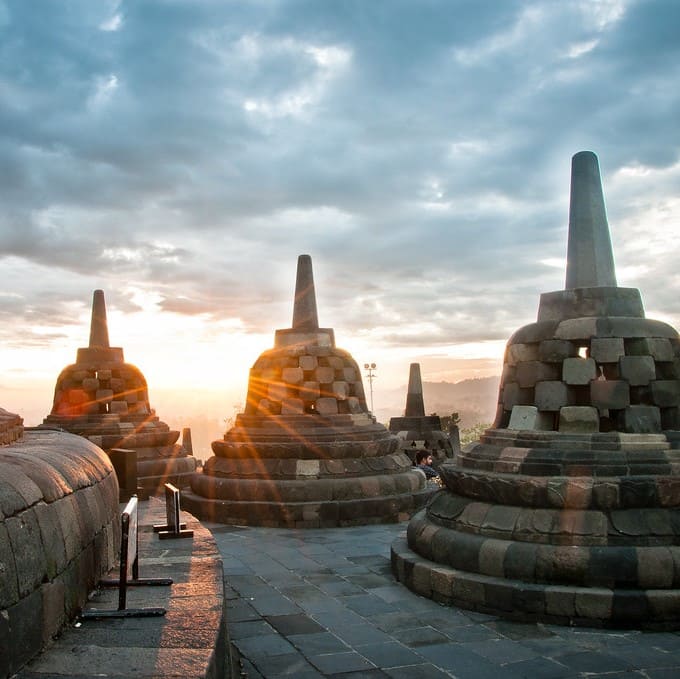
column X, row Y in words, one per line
column 568, row 508
column 418, row 431
column 306, row 452
column 106, row 400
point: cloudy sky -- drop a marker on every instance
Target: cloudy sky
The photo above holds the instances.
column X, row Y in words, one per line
column 180, row 155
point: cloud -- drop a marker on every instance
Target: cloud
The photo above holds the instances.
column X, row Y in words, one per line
column 418, row 151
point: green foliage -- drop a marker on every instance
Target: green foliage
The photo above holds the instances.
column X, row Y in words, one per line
column 449, row 421
column 473, row 433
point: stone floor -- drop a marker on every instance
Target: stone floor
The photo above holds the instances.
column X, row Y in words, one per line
column 320, row 603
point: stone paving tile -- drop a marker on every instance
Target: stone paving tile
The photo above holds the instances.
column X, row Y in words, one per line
column 422, row 671
column 364, row 619
column 335, row 663
column 289, row 664
column 318, row 643
column 388, row 654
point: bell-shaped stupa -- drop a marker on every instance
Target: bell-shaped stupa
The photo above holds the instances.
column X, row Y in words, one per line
column 306, row 452
column 568, row 509
column 106, row 400
column 418, row 431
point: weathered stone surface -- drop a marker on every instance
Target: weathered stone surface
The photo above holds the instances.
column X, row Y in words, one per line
column 577, row 522
column 529, row 417
column 579, row 419
column 551, row 395
column 106, row 400
column 637, row 370
column 610, row 394
column 578, row 370
column 606, row 349
column 306, row 452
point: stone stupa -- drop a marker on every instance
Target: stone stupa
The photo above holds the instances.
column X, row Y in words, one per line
column 306, row 452
column 568, row 508
column 106, row 400
column 418, row 431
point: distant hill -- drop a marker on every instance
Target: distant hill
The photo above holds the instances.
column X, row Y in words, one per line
column 474, row 400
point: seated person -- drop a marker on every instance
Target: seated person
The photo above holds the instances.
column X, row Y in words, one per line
column 424, row 462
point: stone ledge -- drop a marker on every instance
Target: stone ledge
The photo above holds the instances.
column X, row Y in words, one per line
column 191, row 640
column 528, row 602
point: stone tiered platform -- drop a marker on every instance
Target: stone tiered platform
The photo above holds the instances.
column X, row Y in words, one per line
column 306, row 452
column 568, row 509
column 106, row 400
column 191, row 640
column 418, row 431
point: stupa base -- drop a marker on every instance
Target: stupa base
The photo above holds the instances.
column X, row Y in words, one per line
column 649, row 609
column 153, row 474
column 327, row 514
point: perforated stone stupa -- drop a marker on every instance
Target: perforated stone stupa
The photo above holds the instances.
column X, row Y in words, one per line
column 106, row 400
column 306, row 451
column 568, row 509
column 416, row 430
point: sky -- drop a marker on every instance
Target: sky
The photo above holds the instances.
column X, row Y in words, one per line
column 180, row 155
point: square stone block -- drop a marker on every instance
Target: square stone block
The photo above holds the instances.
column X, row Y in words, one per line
column 326, row 406
column 555, row 351
column 310, row 391
column 292, row 375
column 665, row 393
column 354, row 404
column 103, row 395
column 551, row 395
column 308, row 362
column 530, row 372
column 579, row 419
column 637, row 370
column 336, row 362
column 530, row 417
column 120, row 407
column 340, row 390
column 325, row 374
column 606, row 394
column 513, row 395
column 90, row 384
column 292, row 406
column 103, row 374
column 659, row 348
column 579, row 370
column 277, row 391
column 349, row 374
column 517, row 353
column 641, row 420
column 606, row 349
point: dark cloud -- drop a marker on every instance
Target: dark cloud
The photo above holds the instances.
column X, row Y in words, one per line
column 419, row 151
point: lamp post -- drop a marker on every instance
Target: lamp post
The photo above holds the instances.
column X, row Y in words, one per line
column 370, row 368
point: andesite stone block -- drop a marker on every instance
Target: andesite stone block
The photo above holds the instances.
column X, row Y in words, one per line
column 637, row 370
column 578, row 370
column 530, row 372
column 529, row 417
column 579, row 419
column 555, row 351
column 606, row 349
column 666, row 393
column 609, row 394
column 517, row 353
column 641, row 419
column 551, row 395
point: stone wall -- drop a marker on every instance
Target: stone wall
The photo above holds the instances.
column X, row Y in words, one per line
column 58, row 534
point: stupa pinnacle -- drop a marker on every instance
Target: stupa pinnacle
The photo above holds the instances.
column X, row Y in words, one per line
column 306, row 451
column 418, row 431
column 568, row 509
column 106, row 400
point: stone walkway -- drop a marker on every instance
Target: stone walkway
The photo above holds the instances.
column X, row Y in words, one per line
column 319, row 603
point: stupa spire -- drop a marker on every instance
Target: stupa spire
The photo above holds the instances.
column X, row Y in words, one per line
column 590, row 259
column 99, row 329
column 415, row 407
column 305, row 316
